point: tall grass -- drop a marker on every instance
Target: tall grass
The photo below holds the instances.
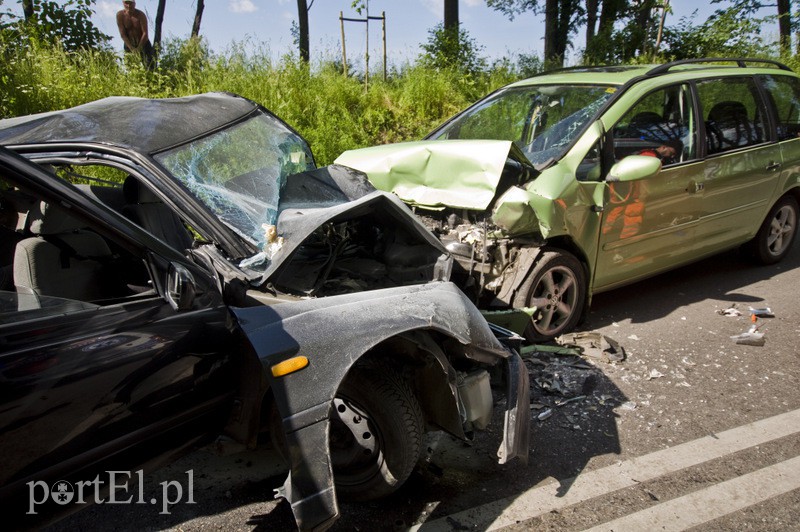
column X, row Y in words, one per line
column 333, row 112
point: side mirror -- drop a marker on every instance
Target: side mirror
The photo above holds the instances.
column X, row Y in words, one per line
column 633, row 168
column 181, row 289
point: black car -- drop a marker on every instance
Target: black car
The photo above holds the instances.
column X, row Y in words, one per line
column 178, row 270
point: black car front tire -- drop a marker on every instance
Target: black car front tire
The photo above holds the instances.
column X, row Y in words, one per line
column 376, row 433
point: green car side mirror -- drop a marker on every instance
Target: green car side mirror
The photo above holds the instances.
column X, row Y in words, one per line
column 633, row 168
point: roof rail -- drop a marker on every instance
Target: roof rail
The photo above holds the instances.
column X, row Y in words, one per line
column 740, row 62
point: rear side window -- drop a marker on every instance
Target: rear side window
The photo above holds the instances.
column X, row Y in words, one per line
column 785, row 94
column 733, row 114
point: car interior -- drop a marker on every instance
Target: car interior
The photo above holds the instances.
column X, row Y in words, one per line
column 49, row 253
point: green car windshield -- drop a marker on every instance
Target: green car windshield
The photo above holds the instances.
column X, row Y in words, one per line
column 239, row 172
column 542, row 120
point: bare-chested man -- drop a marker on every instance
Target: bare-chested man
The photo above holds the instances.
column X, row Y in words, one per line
column 132, row 25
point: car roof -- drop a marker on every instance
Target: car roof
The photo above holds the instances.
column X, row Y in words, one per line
column 684, row 69
column 144, row 125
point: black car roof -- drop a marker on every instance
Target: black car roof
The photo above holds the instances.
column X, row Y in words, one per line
column 141, row 124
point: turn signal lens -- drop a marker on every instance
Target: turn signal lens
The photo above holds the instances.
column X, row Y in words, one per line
column 289, row 366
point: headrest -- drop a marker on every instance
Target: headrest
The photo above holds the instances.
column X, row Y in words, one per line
column 45, row 219
column 135, row 192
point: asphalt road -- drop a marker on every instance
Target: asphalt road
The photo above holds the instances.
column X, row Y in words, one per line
column 690, row 430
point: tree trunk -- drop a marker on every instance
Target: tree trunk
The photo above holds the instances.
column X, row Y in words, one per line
column 302, row 17
column 551, row 59
column 591, row 21
column 27, row 9
column 159, row 22
column 785, row 26
column 451, row 14
column 198, row 16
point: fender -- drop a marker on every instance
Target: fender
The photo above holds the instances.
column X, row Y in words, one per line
column 333, row 333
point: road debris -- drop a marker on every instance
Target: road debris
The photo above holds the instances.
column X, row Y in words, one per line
column 654, row 374
column 545, row 414
column 731, row 311
column 750, row 337
column 764, row 312
column 594, row 345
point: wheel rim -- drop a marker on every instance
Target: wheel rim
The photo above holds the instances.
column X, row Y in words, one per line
column 554, row 297
column 781, row 230
column 355, row 443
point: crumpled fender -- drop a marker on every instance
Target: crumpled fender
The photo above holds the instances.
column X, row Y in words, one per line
column 333, row 333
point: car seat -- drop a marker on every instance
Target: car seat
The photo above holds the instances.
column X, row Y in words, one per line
column 728, row 127
column 61, row 259
column 147, row 210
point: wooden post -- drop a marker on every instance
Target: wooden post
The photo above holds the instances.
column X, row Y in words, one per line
column 344, row 49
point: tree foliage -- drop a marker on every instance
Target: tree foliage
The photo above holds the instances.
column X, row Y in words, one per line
column 729, row 32
column 452, row 49
column 46, row 21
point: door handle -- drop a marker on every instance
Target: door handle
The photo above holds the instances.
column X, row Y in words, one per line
column 773, row 166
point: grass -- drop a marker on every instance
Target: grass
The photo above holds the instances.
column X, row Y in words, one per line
column 333, row 112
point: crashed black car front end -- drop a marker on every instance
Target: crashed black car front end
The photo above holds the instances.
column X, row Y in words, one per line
column 339, row 314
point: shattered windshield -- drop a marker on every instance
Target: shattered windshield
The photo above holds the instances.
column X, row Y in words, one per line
column 542, row 120
column 238, row 172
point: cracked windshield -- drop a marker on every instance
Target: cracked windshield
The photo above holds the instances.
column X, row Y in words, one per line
column 238, row 173
column 541, row 120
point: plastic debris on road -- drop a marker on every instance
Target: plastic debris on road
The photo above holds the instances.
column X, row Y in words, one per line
column 750, row 337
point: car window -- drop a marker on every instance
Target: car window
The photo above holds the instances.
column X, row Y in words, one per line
column 785, row 94
column 238, row 172
column 542, row 120
column 53, row 262
column 732, row 113
column 662, row 124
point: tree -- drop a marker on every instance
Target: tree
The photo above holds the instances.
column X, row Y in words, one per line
column 561, row 20
column 785, row 26
column 449, row 49
column 198, row 16
column 159, row 22
column 68, row 23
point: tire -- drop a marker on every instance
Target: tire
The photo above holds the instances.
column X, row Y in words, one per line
column 775, row 236
column 376, row 433
column 556, row 286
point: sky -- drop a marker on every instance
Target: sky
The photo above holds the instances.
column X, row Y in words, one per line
column 268, row 22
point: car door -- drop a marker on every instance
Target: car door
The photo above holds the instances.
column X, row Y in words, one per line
column 102, row 382
column 649, row 225
column 784, row 94
column 742, row 163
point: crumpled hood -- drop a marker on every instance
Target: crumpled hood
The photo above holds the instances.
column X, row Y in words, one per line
column 435, row 173
column 297, row 224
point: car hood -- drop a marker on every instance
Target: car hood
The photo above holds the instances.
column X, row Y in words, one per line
column 296, row 224
column 435, row 174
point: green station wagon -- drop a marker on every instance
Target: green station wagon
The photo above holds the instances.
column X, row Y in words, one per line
column 582, row 180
